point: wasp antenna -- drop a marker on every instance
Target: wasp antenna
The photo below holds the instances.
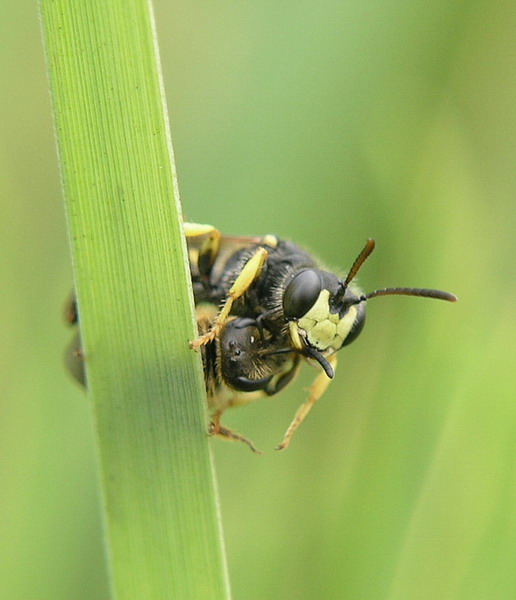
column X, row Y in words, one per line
column 422, row 292
column 360, row 260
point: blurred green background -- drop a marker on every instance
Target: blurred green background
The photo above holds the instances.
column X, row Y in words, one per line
column 326, row 123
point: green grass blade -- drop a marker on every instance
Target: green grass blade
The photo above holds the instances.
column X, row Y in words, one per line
column 132, row 280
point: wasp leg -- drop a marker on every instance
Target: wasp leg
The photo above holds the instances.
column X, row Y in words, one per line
column 317, row 389
column 217, row 429
column 247, row 275
column 210, row 248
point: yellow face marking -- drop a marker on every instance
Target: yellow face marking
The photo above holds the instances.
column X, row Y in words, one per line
column 321, row 328
column 323, row 331
column 346, row 323
column 294, row 335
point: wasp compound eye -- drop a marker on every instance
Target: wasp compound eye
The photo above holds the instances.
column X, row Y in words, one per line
column 301, row 294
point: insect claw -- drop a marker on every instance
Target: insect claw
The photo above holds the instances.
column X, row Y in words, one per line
column 202, row 340
column 215, row 428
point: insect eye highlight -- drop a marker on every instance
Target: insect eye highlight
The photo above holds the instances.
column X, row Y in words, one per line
column 301, row 294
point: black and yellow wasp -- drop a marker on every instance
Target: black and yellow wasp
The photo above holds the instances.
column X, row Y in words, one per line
column 262, row 306
column 268, row 304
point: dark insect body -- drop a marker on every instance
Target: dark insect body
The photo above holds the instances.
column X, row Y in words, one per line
column 276, row 304
column 262, row 305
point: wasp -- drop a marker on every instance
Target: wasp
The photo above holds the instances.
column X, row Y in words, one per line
column 277, row 305
column 264, row 305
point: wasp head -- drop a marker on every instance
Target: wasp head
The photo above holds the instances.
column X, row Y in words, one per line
column 251, row 359
column 322, row 314
column 325, row 313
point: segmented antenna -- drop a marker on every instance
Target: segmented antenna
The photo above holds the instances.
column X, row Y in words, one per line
column 360, row 260
column 422, row 292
